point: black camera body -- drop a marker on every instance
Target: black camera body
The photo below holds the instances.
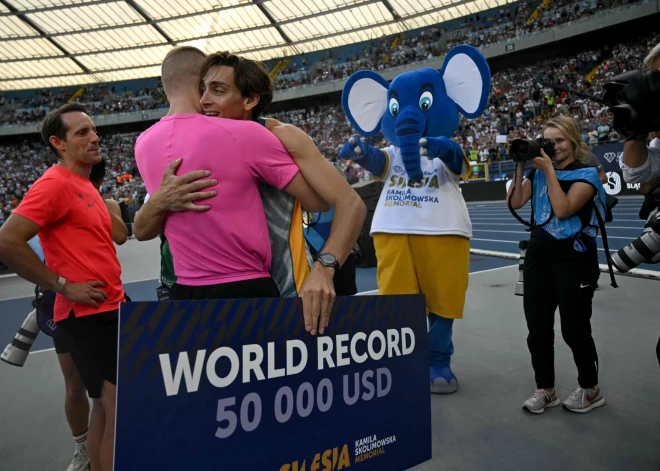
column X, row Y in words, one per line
column 524, row 150
column 633, row 99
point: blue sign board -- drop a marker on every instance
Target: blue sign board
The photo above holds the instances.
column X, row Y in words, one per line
column 608, row 155
column 239, row 385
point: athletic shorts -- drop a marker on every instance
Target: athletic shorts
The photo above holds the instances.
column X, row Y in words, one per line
column 436, row 266
column 254, row 288
column 60, row 347
column 58, row 343
column 92, row 342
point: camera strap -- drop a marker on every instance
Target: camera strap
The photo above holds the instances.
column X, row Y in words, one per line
column 608, row 256
column 603, row 231
column 530, row 225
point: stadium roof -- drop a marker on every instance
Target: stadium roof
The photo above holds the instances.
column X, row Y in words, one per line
column 53, row 43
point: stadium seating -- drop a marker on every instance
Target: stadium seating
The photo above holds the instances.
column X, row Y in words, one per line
column 521, row 99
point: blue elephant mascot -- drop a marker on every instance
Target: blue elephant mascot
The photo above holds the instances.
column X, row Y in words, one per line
column 421, row 227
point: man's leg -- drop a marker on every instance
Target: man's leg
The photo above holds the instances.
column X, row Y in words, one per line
column 95, row 438
column 76, row 406
column 108, row 402
column 76, row 403
column 92, row 341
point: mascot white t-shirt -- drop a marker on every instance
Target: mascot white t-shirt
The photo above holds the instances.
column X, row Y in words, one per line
column 432, row 206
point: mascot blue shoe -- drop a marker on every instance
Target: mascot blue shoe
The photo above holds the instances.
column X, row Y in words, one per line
column 421, row 227
column 443, row 380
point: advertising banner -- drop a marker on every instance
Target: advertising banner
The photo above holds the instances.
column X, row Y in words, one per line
column 608, row 155
column 240, row 385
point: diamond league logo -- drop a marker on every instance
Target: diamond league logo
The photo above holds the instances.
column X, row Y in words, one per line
column 613, row 185
column 398, row 169
column 610, row 156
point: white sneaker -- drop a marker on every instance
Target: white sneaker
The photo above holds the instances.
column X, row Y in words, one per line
column 584, row 400
column 80, row 460
column 540, row 401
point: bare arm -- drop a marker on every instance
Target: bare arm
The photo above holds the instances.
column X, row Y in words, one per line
column 300, row 189
column 567, row 204
column 119, row 229
column 19, row 256
column 350, row 212
column 175, row 194
column 520, row 191
column 635, row 153
column 149, row 220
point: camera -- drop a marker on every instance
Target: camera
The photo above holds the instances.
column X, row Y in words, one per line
column 646, row 248
column 633, row 99
column 524, row 150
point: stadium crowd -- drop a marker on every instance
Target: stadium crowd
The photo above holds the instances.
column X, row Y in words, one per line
column 21, row 165
column 99, row 99
column 479, row 30
column 521, row 99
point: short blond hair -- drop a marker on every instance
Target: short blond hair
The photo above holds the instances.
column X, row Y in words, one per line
column 180, row 68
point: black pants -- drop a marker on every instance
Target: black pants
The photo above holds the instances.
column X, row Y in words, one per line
column 255, row 288
column 555, row 275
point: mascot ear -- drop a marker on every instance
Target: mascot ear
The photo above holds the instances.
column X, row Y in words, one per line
column 467, row 79
column 364, row 99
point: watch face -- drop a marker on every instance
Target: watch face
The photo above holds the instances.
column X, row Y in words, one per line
column 327, row 259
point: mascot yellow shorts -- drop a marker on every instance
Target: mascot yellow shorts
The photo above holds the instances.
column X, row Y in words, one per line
column 434, row 265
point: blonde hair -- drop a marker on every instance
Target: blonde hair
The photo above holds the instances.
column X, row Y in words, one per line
column 180, row 69
column 570, row 128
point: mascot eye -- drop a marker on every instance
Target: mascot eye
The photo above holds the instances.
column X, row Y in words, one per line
column 426, row 101
column 394, row 106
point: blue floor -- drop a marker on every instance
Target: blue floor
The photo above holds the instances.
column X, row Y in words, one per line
column 15, row 310
column 494, row 228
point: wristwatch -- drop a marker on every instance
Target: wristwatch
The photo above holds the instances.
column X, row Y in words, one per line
column 328, row 260
column 59, row 285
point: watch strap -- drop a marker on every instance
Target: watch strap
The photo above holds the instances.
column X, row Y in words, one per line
column 59, row 285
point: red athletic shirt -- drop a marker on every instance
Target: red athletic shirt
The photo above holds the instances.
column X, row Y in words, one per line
column 76, row 235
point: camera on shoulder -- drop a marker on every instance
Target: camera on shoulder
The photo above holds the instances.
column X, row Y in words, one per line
column 524, row 150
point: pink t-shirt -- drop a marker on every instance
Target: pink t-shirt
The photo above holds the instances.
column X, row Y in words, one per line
column 229, row 242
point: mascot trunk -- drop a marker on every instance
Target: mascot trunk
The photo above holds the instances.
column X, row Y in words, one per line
column 421, row 227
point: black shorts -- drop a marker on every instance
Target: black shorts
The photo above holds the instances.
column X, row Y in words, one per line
column 60, row 347
column 92, row 343
column 255, row 288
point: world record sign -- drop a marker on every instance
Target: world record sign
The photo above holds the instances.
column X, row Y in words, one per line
column 240, row 385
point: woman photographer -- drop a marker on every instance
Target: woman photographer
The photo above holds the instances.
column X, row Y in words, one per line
column 561, row 262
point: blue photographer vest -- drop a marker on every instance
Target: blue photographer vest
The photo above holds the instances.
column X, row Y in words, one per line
column 571, row 227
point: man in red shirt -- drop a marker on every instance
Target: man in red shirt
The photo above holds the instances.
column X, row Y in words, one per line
column 75, row 231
